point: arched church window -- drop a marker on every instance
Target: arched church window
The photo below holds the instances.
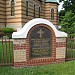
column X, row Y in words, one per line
column 12, row 7
column 52, row 14
column 34, row 10
column 39, row 12
column 26, row 7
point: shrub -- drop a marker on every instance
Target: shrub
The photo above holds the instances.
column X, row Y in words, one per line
column 7, row 30
column 1, row 34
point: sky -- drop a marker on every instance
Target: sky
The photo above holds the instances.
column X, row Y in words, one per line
column 60, row 6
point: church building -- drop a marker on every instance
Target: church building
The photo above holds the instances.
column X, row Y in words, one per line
column 16, row 13
column 39, row 42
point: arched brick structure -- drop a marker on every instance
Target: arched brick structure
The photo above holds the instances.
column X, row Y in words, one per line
column 38, row 61
column 21, row 44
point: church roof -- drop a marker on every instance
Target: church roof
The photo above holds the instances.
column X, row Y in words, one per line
column 53, row 1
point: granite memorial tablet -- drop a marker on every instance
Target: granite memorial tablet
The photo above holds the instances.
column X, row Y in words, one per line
column 40, row 42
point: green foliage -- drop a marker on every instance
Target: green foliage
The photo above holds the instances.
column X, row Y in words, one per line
column 7, row 30
column 61, row 14
column 6, row 52
column 69, row 5
column 71, row 44
column 67, row 17
column 67, row 22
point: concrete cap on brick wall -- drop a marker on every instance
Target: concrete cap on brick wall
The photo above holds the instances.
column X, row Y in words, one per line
column 24, row 31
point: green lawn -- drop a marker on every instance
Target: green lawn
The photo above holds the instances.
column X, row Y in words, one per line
column 70, row 53
column 67, row 68
column 6, row 52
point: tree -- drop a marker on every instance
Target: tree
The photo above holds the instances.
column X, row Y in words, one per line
column 67, row 22
column 61, row 14
column 67, row 17
column 69, row 5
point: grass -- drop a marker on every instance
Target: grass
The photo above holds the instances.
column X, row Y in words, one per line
column 5, row 52
column 70, row 53
column 67, row 68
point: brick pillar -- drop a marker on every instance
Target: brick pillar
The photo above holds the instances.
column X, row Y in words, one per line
column 60, row 49
column 19, row 50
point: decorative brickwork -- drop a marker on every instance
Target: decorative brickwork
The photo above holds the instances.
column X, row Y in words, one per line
column 60, row 52
column 61, row 39
column 60, row 49
column 19, row 46
column 60, row 60
column 21, row 49
column 60, row 44
column 19, row 55
column 22, row 52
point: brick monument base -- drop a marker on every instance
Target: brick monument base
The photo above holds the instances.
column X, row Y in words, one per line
column 41, row 44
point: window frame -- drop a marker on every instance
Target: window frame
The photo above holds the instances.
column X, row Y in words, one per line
column 12, row 7
column 34, row 10
column 26, row 7
column 52, row 13
column 39, row 11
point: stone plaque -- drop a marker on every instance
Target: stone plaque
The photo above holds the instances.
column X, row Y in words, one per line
column 40, row 42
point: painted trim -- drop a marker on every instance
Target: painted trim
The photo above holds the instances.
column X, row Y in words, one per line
column 24, row 31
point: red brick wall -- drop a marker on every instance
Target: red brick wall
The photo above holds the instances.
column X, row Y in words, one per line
column 36, row 61
column 60, row 49
column 22, row 45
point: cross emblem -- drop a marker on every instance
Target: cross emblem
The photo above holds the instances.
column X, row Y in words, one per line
column 40, row 32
